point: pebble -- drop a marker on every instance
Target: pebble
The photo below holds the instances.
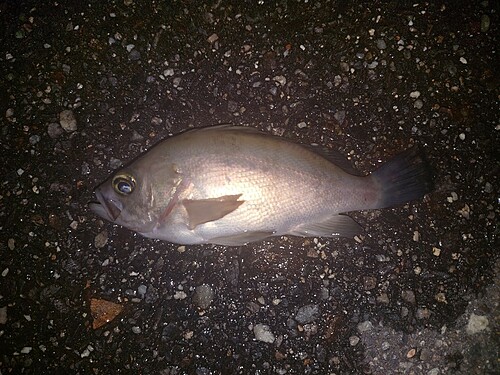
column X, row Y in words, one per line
column 436, row 251
column 488, row 188
column 11, row 243
column 301, row 125
column 176, row 81
column 263, row 333
column 203, row 296
column 381, row 44
column 369, row 282
column 365, row 326
column 54, row 130
column 101, row 239
column 423, row 313
column 134, row 55
column 476, row 323
column 419, row 104
column 141, row 290
column 280, row 79
column 354, row 340
column 180, row 295
column 3, row 315
column 114, row 163
column 136, row 329
column 340, row 116
column 485, row 23
column 307, row 314
column 34, row 139
column 67, row 120
column 26, row 349
column 168, row 72
column 212, row 38
column 408, row 296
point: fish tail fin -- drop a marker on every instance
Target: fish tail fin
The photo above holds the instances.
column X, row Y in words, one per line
column 404, row 178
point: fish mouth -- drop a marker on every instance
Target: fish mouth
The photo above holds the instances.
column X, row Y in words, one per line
column 106, row 208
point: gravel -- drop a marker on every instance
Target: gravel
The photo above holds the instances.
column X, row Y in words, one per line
column 87, row 88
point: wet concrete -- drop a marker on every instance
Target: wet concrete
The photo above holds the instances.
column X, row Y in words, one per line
column 416, row 294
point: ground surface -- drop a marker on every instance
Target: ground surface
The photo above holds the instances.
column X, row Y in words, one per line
column 418, row 294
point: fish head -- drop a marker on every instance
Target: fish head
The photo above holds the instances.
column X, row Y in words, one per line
column 138, row 197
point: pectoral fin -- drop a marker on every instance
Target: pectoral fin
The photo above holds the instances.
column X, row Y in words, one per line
column 335, row 226
column 202, row 211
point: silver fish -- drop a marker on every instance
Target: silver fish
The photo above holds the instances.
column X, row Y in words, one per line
column 233, row 185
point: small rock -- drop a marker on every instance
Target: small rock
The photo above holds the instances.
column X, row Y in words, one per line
column 203, row 296
column 3, row 315
column 232, row 106
column 280, row 79
column 34, row 139
column 54, row 130
column 381, row 44
column 340, row 116
column 485, row 23
column 263, row 333
column 141, row 290
column 114, row 163
column 411, row 353
column 307, row 314
column 101, row 239
column 354, row 340
column 134, row 55
column 180, row 295
column 419, row 104
column 488, row 188
column 369, row 282
column 408, row 296
column 67, row 120
column 212, row 38
column 365, row 326
column 476, row 323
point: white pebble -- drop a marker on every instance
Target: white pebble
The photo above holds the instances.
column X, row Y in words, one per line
column 180, row 295
column 463, row 60
column 263, row 333
column 67, row 120
column 212, row 38
column 280, row 79
column 477, row 323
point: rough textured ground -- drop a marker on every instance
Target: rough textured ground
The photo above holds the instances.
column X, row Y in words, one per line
column 418, row 294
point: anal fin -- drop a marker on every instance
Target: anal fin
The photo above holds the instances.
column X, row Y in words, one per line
column 241, row 238
column 335, row 226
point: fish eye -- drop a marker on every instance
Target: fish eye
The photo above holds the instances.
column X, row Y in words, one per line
column 123, row 184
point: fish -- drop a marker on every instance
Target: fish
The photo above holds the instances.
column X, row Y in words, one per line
column 232, row 185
